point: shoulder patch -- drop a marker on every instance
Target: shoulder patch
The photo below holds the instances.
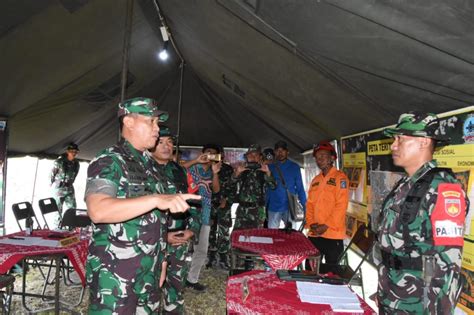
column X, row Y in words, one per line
column 343, row 184
column 448, row 215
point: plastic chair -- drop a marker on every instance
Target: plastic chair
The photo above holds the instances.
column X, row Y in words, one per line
column 363, row 240
column 47, row 206
column 22, row 211
column 72, row 220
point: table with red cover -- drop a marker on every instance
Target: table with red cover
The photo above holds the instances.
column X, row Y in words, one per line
column 288, row 250
column 12, row 254
column 270, row 295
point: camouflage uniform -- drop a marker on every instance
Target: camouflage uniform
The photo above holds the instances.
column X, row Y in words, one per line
column 124, row 261
column 177, row 264
column 401, row 289
column 250, row 188
column 62, row 179
column 219, row 237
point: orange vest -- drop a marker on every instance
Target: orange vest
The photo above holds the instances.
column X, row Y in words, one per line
column 328, row 197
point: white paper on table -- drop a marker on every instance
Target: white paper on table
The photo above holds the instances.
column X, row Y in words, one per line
column 339, row 297
column 255, row 239
column 30, row 241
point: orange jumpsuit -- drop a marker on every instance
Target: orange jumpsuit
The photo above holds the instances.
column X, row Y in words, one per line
column 328, row 197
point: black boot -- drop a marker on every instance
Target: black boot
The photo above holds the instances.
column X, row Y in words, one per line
column 212, row 260
column 224, row 261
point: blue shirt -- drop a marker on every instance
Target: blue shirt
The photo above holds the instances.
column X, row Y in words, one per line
column 277, row 200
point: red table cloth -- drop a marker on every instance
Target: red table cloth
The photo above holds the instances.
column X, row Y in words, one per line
column 270, row 295
column 12, row 254
column 287, row 251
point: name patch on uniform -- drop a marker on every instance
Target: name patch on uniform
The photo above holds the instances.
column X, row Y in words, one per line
column 315, row 184
column 332, row 181
column 343, row 184
column 448, row 229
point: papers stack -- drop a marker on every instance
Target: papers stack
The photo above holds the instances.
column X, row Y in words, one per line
column 255, row 239
column 339, row 297
column 30, row 241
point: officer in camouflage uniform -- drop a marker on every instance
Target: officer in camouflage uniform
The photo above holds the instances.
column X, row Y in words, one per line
column 421, row 225
column 250, row 182
column 124, row 198
column 219, row 237
column 181, row 226
column 65, row 170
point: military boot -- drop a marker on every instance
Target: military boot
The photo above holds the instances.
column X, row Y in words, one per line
column 212, row 260
column 224, row 261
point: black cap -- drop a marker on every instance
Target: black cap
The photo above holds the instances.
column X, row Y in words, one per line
column 268, row 154
column 72, row 146
column 281, row 144
column 211, row 146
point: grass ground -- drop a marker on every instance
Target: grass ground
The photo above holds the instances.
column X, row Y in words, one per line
column 212, row 301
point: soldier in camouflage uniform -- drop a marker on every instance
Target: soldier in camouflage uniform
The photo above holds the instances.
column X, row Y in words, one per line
column 65, row 170
column 219, row 237
column 421, row 225
column 128, row 210
column 250, row 185
column 181, row 226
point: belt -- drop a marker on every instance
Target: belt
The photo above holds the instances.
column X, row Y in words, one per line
column 400, row 262
column 251, row 204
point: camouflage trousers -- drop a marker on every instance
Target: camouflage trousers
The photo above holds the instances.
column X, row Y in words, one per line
column 65, row 198
column 249, row 217
column 124, row 286
column 219, row 237
column 175, row 277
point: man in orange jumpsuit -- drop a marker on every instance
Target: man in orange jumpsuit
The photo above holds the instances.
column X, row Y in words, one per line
column 328, row 197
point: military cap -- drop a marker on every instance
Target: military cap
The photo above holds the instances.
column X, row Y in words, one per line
column 417, row 124
column 143, row 106
column 281, row 144
column 254, row 148
column 72, row 146
column 165, row 131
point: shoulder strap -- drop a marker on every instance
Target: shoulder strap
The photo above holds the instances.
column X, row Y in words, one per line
column 411, row 206
column 281, row 175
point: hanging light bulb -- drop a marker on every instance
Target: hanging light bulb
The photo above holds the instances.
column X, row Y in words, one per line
column 163, row 55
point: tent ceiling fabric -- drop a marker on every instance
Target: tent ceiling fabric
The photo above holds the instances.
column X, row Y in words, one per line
column 256, row 71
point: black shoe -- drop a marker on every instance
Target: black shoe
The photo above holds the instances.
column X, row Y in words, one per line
column 212, row 260
column 195, row 286
column 224, row 262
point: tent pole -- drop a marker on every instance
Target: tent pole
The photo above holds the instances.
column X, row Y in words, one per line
column 126, row 47
column 34, row 182
column 178, row 132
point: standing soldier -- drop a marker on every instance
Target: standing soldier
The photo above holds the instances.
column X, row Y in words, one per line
column 181, row 226
column 125, row 202
column 421, row 225
column 219, row 237
column 64, row 172
column 250, row 183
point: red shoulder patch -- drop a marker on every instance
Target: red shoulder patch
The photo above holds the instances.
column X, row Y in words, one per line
column 448, row 216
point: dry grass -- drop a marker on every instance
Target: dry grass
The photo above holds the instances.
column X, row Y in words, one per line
column 212, row 301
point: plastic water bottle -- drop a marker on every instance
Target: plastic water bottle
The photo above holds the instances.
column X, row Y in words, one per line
column 29, row 226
